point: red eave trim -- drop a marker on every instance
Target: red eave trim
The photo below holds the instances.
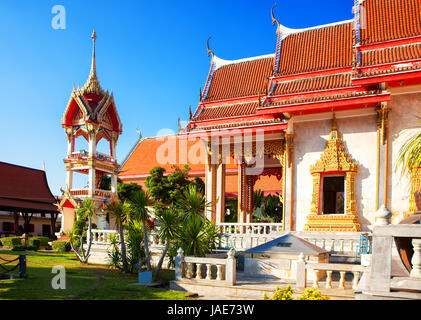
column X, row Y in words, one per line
column 234, row 131
column 229, row 119
column 322, row 106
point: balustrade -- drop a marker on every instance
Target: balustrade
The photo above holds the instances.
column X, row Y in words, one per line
column 329, row 268
column 205, row 269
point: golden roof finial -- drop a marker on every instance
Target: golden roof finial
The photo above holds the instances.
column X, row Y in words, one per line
column 93, row 64
column 92, row 85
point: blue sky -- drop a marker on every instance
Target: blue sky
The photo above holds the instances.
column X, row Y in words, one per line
column 151, row 54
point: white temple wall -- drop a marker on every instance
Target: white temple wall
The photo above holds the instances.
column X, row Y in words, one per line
column 402, row 118
column 360, row 139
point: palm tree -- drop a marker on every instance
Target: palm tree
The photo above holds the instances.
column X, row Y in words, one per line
column 87, row 210
column 192, row 203
column 140, row 203
column 121, row 212
column 410, row 159
column 169, row 221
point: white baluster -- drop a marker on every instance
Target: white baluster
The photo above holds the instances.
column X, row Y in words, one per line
column 316, row 279
column 342, row 280
column 198, row 271
column 219, row 273
column 355, row 280
column 329, row 279
column 209, row 272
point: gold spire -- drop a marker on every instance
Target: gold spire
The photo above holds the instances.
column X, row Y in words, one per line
column 92, row 85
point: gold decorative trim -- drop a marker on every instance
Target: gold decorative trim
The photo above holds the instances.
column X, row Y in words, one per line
column 334, row 159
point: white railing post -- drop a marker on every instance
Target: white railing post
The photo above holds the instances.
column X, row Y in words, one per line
column 230, row 268
column 179, row 265
column 301, row 271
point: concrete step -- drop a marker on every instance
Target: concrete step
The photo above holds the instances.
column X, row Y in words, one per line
column 253, row 289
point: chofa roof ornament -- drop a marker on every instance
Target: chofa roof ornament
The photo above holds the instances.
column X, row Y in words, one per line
column 210, row 52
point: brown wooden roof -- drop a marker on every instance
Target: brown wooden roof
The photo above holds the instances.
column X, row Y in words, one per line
column 25, row 189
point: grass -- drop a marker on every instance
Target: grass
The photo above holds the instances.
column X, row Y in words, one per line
column 85, row 282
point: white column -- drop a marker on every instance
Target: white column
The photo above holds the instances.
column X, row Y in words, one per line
column 220, row 193
column 69, row 178
column 210, row 184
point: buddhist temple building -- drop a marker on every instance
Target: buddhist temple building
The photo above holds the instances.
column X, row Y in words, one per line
column 330, row 108
column 91, row 114
column 26, row 202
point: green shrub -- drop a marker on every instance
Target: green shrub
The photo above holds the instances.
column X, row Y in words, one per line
column 60, row 246
column 34, row 243
column 18, row 247
column 11, row 241
column 43, row 241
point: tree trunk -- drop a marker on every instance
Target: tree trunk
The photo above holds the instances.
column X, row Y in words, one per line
column 16, row 218
column 53, row 226
column 161, row 259
column 123, row 248
column 27, row 219
column 146, row 246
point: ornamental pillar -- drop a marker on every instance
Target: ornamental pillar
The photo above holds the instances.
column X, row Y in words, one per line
column 382, row 154
column 220, row 192
column 210, row 185
column 242, row 192
column 288, row 182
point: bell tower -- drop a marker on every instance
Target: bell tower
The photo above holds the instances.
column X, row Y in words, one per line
column 90, row 114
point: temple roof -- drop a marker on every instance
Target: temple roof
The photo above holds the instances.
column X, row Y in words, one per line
column 315, row 49
column 91, row 103
column 390, row 19
column 237, row 78
column 25, row 189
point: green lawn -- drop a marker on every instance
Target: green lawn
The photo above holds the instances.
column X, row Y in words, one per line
column 82, row 281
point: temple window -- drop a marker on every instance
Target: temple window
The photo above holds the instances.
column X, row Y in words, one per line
column 333, row 205
column 333, row 196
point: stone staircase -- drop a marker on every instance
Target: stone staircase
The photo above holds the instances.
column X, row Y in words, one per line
column 252, row 288
column 99, row 254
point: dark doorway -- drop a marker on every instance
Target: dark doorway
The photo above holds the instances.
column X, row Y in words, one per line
column 333, row 195
column 46, row 230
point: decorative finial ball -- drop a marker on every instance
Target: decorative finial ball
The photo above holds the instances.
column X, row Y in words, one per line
column 383, row 216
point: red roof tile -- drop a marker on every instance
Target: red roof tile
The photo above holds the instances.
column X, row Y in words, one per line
column 390, row 55
column 335, row 81
column 225, row 111
column 242, row 79
column 317, row 49
column 25, row 189
column 390, row 19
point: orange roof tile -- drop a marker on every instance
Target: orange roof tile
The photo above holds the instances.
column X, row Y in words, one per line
column 390, row 55
column 225, row 111
column 317, row 49
column 239, row 79
column 334, row 81
column 390, row 20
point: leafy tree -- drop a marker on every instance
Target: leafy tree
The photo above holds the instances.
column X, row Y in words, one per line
column 121, row 212
column 140, row 204
column 124, row 190
column 192, row 203
column 410, row 154
column 168, row 189
column 169, row 226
